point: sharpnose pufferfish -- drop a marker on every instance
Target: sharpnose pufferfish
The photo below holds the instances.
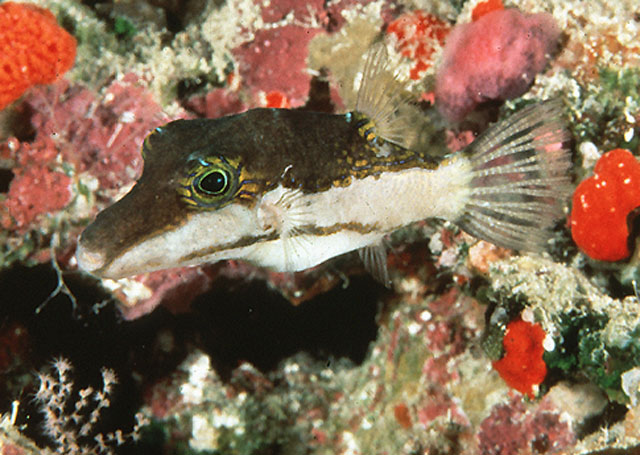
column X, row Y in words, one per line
column 289, row 189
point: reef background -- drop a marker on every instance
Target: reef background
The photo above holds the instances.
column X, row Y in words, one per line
column 231, row 359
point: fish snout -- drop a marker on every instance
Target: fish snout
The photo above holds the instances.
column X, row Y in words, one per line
column 89, row 260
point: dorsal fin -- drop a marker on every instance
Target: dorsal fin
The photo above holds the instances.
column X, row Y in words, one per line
column 380, row 97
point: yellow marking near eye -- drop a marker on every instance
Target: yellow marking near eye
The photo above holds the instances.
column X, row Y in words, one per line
column 184, row 192
column 191, row 202
column 249, row 182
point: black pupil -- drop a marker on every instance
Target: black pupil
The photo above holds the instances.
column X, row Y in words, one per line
column 214, row 182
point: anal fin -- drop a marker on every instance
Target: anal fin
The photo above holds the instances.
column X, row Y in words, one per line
column 374, row 258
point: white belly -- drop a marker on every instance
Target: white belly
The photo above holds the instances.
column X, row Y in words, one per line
column 304, row 251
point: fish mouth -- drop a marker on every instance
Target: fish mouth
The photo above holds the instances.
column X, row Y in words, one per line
column 92, row 261
column 96, row 263
column 88, row 260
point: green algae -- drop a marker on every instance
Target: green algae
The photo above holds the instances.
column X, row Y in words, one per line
column 12, row 252
column 124, row 28
column 606, row 111
column 605, row 364
column 492, row 342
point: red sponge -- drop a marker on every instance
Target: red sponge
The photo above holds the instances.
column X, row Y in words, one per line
column 522, row 366
column 493, row 58
column 34, row 49
column 601, row 204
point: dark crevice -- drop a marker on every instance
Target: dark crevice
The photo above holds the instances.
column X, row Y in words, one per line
column 188, row 87
column 174, row 15
column 17, row 122
column 6, row 176
column 90, row 341
column 250, row 322
column 236, row 322
column 633, row 226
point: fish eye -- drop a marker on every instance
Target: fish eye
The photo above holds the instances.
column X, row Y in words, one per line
column 213, row 183
column 210, row 182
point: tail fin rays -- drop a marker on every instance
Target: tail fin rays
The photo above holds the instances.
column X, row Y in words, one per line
column 519, row 179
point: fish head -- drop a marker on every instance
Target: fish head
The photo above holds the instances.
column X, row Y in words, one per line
column 192, row 204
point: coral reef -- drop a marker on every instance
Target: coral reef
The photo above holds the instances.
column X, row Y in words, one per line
column 418, row 34
column 82, row 142
column 475, row 349
column 429, row 387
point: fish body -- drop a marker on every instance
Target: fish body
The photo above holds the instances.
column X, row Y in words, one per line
column 288, row 189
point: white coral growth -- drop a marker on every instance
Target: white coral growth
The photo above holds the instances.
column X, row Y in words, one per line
column 69, row 419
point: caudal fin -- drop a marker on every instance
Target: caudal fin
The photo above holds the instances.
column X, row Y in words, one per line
column 520, row 179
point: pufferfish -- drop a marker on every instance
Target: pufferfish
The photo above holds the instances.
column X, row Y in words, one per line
column 289, row 189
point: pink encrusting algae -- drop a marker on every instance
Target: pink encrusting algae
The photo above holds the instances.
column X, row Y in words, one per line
column 494, row 58
column 217, row 103
column 512, row 428
column 99, row 134
column 34, row 191
column 275, row 61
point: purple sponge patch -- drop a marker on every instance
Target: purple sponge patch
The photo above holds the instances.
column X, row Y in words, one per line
column 494, row 58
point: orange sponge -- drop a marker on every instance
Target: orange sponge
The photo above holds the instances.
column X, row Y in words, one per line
column 34, row 49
